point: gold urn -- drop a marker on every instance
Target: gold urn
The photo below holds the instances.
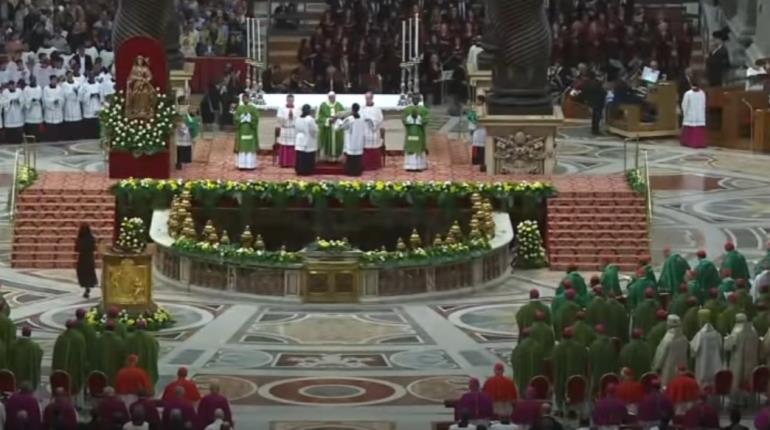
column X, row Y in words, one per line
column 259, row 244
column 437, row 241
column 246, row 238
column 414, row 240
column 225, row 239
column 213, row 238
column 455, row 231
column 188, row 228
column 400, row 245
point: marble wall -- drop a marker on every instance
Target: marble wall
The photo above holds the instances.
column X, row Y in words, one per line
column 749, row 42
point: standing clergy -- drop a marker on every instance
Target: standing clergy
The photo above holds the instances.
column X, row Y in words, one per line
column 26, row 358
column 416, row 119
column 733, row 260
column 246, row 119
column 705, row 347
column 69, row 355
column 478, row 133
column 53, row 109
column 569, row 358
column 146, row 348
column 637, row 354
column 527, row 359
column 286, row 119
column 525, row 316
column 501, row 390
column 73, row 115
column 91, row 103
column 13, row 113
column 33, row 108
column 672, row 351
column 112, row 352
column 305, row 142
column 674, row 270
column 603, row 358
column 374, row 147
column 355, row 128
column 742, row 349
column 329, row 140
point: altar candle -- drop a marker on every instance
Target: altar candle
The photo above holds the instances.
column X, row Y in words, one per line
column 403, row 40
column 411, row 37
column 259, row 42
column 416, row 35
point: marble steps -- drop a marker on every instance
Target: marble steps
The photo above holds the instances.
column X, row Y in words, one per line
column 571, row 216
column 594, row 201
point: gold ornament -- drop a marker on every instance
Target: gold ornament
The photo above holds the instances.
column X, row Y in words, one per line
column 450, row 240
column 414, row 240
column 475, row 197
column 475, row 233
column 246, row 238
column 400, row 245
column 173, row 227
column 213, row 238
column 225, row 239
column 477, row 206
column 259, row 244
column 455, row 231
column 188, row 228
column 437, row 241
column 209, row 228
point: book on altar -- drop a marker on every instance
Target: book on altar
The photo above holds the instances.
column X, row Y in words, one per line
column 649, row 75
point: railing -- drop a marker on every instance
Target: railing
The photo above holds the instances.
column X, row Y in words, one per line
column 648, row 189
column 26, row 156
column 642, row 167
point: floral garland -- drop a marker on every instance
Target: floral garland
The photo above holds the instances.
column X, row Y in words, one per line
column 530, row 252
column 139, row 136
column 431, row 254
column 237, row 253
column 330, row 245
column 636, row 181
column 25, row 177
column 159, row 319
column 132, row 236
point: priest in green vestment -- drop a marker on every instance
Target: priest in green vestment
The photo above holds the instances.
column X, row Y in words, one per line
column 745, row 303
column 578, row 282
column 636, row 289
column 558, row 301
column 644, row 313
column 542, row 332
column 637, row 354
column 25, row 359
column 416, row 119
column 582, row 332
column 146, row 347
column 610, row 280
column 727, row 285
column 525, row 316
column 726, row 319
column 598, row 310
column 735, row 261
column 7, row 331
column 618, row 326
column 658, row 330
column 69, row 355
column 761, row 321
column 330, row 142
column 706, row 272
column 674, row 270
column 527, row 360
column 569, row 358
column 89, row 334
column 691, row 320
column 603, row 357
column 566, row 315
column 113, row 314
column 246, row 122
column 764, row 263
column 649, row 272
column 678, row 306
column 112, row 352
column 715, row 304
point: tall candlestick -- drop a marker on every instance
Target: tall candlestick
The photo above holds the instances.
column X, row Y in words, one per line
column 416, row 35
column 259, row 42
column 248, row 45
column 403, row 41
column 411, row 37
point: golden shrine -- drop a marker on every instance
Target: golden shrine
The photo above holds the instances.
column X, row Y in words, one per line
column 127, row 281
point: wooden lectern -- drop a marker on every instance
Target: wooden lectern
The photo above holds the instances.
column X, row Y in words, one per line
column 729, row 112
column 761, row 138
column 626, row 120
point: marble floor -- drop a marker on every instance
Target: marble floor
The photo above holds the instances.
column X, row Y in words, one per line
column 313, row 367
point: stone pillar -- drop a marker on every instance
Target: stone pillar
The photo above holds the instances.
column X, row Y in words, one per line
column 370, row 282
column 430, row 279
column 292, row 282
column 232, row 279
column 185, row 269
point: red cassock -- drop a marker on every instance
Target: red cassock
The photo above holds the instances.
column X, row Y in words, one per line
column 630, row 392
column 500, row 389
column 191, row 392
column 131, row 380
column 683, row 388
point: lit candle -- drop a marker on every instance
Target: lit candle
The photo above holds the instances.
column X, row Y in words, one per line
column 259, row 42
column 403, row 40
column 416, row 35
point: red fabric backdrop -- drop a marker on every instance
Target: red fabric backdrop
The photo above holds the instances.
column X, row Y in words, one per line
column 150, row 48
column 212, row 69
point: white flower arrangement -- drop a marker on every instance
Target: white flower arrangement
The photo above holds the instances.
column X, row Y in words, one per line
column 131, row 238
column 141, row 137
column 530, row 252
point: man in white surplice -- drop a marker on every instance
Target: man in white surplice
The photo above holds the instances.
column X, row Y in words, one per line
column 91, row 104
column 706, row 349
column 13, row 113
column 355, row 129
column 33, row 108
column 373, row 144
column 672, row 351
column 742, row 350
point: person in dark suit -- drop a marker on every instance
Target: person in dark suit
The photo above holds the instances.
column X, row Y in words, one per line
column 593, row 94
column 718, row 61
column 84, row 60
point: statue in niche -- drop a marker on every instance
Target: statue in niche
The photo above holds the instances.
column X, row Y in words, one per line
column 140, row 94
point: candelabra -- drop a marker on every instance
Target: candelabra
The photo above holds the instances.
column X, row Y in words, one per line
column 254, row 59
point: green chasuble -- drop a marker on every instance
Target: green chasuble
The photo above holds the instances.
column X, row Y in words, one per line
column 24, row 361
column 112, row 354
column 695, row 289
column 637, row 355
column 558, row 301
column 636, row 291
column 6, row 309
column 715, row 308
column 603, row 358
column 578, row 284
column 246, row 121
column 727, row 286
column 736, row 262
column 644, row 315
column 649, row 274
column 416, row 134
column 527, row 361
column 525, row 316
column 610, row 280
column 707, row 275
column 330, row 142
column 565, row 317
column 762, row 265
column 618, row 326
column 679, row 305
column 761, row 323
column 656, row 334
column 7, row 331
column 690, row 322
column 543, row 334
column 598, row 312
column 726, row 319
column 89, row 334
column 569, row 358
column 674, row 270
column 583, row 333
column 146, row 347
column 69, row 355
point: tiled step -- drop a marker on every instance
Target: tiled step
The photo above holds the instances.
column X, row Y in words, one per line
column 602, row 194
column 78, row 214
column 69, row 231
column 49, row 264
column 632, row 216
column 574, row 250
column 590, row 204
column 600, row 242
column 605, row 226
column 66, row 198
column 560, row 234
column 557, row 210
column 98, row 223
column 561, row 267
column 56, row 239
column 596, row 259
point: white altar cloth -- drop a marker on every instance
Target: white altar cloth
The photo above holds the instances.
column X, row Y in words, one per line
column 384, row 101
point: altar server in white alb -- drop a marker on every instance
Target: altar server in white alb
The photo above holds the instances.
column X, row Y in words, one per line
column 107, row 85
column 287, row 116
column 374, row 147
column 305, row 142
column 73, row 115
column 478, row 134
column 354, row 127
column 53, row 109
column 91, row 105
column 33, row 108
column 13, row 113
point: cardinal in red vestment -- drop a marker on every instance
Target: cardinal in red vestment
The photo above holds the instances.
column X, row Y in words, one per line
column 502, row 390
column 191, row 392
column 683, row 390
column 131, row 380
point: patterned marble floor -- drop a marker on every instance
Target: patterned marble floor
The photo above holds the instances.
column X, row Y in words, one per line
column 386, row 367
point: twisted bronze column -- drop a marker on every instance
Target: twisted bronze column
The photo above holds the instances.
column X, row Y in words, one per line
column 151, row 18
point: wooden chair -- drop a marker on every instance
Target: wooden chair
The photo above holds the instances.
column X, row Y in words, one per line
column 760, row 376
column 96, row 382
column 61, row 379
column 605, row 381
column 723, row 383
column 647, row 379
column 576, row 394
column 7, row 382
column 541, row 386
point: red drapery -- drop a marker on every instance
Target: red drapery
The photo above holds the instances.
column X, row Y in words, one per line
column 212, row 69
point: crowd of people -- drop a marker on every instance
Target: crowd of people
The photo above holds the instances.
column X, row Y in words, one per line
column 657, row 354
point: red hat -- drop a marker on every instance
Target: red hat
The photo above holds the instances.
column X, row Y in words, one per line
column 713, row 293
column 598, row 291
column 649, row 293
column 113, row 311
column 26, row 331
column 599, row 328
column 729, row 246
column 683, row 287
column 740, row 283
column 80, row 313
column 181, row 372
column 701, row 253
column 581, row 315
column 732, row 298
column 539, row 316
column 661, row 314
column 570, row 294
column 640, row 271
column 534, row 293
column 567, row 333
column 595, row 280
column 666, row 250
column 567, row 283
column 499, row 368
column 655, row 383
column 637, row 333
column 726, row 272
column 681, row 368
column 691, row 274
column 692, row 301
column 627, row 372
column 71, row 323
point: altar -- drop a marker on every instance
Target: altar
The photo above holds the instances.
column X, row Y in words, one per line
column 387, row 102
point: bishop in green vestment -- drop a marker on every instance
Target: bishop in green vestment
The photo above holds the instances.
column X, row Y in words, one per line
column 578, row 282
column 706, row 272
column 112, row 352
column 582, row 332
column 727, row 285
column 146, row 347
column 618, row 326
column 330, row 142
column 5, row 309
column 644, row 313
column 566, row 315
column 735, row 261
column 674, row 270
column 715, row 304
column 726, row 319
column 603, row 356
column 527, row 360
column 637, row 354
column 69, row 355
column 89, row 334
column 610, row 280
column 678, row 306
column 25, row 359
column 598, row 311
column 691, row 320
column 525, row 316
column 7, row 331
column 636, row 289
column 764, row 263
column 569, row 358
column 658, row 330
column 246, row 121
column 542, row 332
column 416, row 118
